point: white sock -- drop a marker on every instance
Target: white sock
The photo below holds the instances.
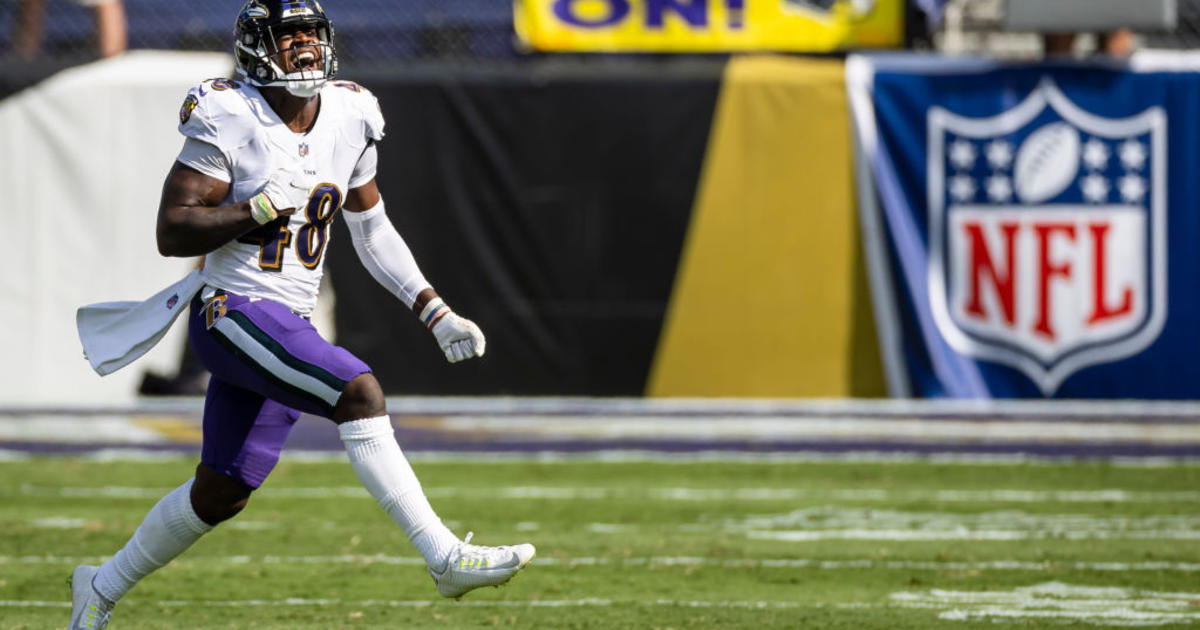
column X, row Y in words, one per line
column 386, row 474
column 169, row 528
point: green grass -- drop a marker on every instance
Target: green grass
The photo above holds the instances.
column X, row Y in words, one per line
column 622, row 545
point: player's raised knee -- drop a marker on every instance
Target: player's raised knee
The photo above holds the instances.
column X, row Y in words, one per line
column 361, row 398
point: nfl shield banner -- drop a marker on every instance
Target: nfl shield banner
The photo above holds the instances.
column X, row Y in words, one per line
column 1031, row 230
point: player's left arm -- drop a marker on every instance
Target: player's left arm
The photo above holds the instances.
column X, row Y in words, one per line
column 389, row 260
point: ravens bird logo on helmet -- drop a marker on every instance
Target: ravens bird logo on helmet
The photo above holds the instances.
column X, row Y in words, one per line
column 260, row 26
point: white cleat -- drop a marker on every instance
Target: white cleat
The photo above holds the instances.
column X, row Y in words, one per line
column 472, row 566
column 89, row 611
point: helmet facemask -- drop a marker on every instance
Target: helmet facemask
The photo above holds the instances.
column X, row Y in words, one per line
column 262, row 64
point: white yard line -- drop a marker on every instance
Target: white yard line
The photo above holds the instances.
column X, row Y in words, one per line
column 1113, row 617
column 78, row 430
column 702, row 427
column 556, row 493
column 376, row 603
column 658, row 561
column 1109, row 606
column 58, row 522
column 559, row 405
column 1118, row 613
column 768, row 429
column 835, row 522
column 820, row 522
column 635, row 456
column 894, row 535
column 140, row 492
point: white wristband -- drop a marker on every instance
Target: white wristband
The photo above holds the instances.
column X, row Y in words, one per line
column 435, row 306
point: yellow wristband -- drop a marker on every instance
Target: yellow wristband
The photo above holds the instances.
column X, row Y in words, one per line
column 261, row 209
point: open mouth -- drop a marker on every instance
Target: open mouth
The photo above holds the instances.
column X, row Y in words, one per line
column 305, row 59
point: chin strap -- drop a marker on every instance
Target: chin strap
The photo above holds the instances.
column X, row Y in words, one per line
column 304, row 83
column 300, row 85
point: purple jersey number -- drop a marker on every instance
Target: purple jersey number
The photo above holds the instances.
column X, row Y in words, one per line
column 273, row 238
column 312, row 236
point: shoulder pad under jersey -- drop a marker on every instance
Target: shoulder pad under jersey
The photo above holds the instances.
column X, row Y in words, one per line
column 217, row 112
column 361, row 106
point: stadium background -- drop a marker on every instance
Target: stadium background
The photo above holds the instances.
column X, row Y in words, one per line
column 684, row 401
column 624, row 212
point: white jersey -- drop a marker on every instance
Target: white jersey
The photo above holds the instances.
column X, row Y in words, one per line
column 283, row 260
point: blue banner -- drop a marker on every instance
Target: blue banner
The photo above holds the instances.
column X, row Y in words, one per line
column 1033, row 231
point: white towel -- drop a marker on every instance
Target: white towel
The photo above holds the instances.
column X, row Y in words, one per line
column 114, row 334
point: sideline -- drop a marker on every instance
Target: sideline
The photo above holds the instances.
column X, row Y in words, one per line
column 626, row 428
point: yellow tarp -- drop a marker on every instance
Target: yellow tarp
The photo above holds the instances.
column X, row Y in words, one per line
column 770, row 299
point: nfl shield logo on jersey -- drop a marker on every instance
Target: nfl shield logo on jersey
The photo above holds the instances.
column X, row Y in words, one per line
column 1047, row 230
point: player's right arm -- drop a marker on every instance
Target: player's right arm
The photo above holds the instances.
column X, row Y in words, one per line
column 191, row 221
column 194, row 217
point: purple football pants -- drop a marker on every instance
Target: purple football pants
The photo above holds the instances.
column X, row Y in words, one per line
column 268, row 365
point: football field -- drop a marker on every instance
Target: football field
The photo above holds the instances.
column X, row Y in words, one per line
column 641, row 541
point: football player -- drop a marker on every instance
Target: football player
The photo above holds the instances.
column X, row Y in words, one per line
column 269, row 160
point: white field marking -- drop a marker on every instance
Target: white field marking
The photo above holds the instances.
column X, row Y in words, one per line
column 77, row 430
column 663, row 561
column 725, row 604
column 763, row 429
column 992, row 536
column 58, row 522
column 901, row 458
column 137, row 455
column 766, row 429
column 581, row 405
column 828, row 516
column 251, row 525
column 1044, row 496
column 434, row 405
column 551, row 493
column 841, row 523
column 529, row 492
column 560, row 603
column 635, row 456
column 1056, row 600
column 611, row 528
column 941, row 496
column 137, row 492
column 528, row 526
column 816, row 523
column 1115, row 618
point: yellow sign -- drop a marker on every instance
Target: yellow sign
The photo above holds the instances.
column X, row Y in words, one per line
column 708, row 25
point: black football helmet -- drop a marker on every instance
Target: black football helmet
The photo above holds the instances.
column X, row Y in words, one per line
column 254, row 46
